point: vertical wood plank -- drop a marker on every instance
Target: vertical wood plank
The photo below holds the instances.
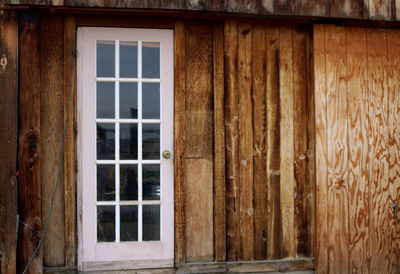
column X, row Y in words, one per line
column 51, row 126
column 199, row 124
column 259, row 142
column 380, row 9
column 312, row 7
column 321, row 160
column 199, row 118
column 219, row 143
column 274, row 234
column 232, row 142
column 69, row 171
column 379, row 165
column 357, row 87
column 246, row 210
column 8, row 137
column 29, row 160
column 199, row 209
column 346, row 8
column 394, row 146
column 179, row 139
column 302, row 242
column 287, row 143
column 335, row 40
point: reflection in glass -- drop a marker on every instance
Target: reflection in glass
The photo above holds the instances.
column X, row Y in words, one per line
column 105, row 223
column 105, row 141
column 105, row 59
column 151, row 100
column 128, row 141
column 151, row 222
column 129, row 182
column 105, row 100
column 151, row 60
column 151, row 141
column 129, row 223
column 151, row 182
column 128, row 59
column 128, row 100
column 105, row 182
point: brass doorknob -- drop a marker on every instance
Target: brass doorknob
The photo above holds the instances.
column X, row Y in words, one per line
column 166, row 154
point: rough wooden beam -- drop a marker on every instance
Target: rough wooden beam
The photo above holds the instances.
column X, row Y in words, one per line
column 29, row 163
column 8, row 139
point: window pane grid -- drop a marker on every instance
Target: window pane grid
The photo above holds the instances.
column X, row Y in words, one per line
column 116, row 121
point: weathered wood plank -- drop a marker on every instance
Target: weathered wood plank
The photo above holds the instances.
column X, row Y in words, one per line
column 69, row 171
column 8, row 137
column 346, row 8
column 380, row 9
column 219, row 143
column 321, row 160
column 29, row 148
column 179, row 139
column 357, row 96
column 199, row 118
column 335, row 40
column 199, row 209
column 287, row 142
column 51, row 127
column 312, row 7
column 272, row 266
column 379, row 148
column 393, row 38
column 124, row 21
column 246, row 210
column 231, row 137
column 274, row 219
column 259, row 141
column 302, row 242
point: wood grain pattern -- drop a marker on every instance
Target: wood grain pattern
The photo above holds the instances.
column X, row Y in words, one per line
column 199, row 209
column 29, row 145
column 393, row 37
column 69, row 171
column 52, row 126
column 219, row 143
column 8, row 137
column 302, row 243
column 259, row 141
column 287, row 144
column 246, row 210
column 232, row 139
column 357, row 96
column 321, row 160
column 274, row 214
column 337, row 149
column 179, row 140
column 379, row 162
column 199, row 119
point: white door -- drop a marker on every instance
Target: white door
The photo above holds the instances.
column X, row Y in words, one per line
column 125, row 126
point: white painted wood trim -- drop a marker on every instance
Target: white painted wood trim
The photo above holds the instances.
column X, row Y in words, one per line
column 125, row 265
column 129, row 254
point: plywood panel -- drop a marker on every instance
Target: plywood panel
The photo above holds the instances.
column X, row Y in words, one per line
column 232, row 138
column 287, row 143
column 379, row 162
column 199, row 119
column 8, row 137
column 199, row 209
column 357, row 87
column 337, row 149
column 321, row 159
column 274, row 217
column 259, row 141
column 52, row 127
column 179, row 140
column 393, row 37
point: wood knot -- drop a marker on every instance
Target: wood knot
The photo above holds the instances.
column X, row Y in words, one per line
column 245, row 31
column 32, row 144
column 3, row 63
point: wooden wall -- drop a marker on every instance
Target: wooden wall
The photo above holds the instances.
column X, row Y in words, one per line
column 244, row 149
column 357, row 149
column 249, row 166
column 355, row 9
